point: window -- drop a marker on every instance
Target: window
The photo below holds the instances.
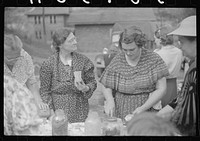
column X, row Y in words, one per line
column 54, row 18
column 50, row 19
column 35, row 17
column 39, row 20
column 36, row 34
column 40, row 35
column 51, row 34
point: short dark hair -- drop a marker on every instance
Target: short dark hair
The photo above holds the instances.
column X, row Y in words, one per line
column 167, row 40
column 131, row 34
column 59, row 37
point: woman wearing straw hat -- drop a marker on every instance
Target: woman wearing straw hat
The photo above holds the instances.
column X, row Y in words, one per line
column 183, row 110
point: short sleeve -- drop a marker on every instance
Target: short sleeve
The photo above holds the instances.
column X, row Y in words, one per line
column 159, row 68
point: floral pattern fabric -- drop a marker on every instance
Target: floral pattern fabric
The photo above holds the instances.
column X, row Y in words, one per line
column 20, row 110
column 58, row 89
column 23, row 69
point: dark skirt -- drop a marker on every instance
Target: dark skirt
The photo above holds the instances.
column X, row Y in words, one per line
column 171, row 92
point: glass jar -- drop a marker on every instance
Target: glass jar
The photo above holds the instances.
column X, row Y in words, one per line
column 59, row 123
column 93, row 124
column 112, row 126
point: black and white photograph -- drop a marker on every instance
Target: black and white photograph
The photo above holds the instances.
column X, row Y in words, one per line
column 100, row 71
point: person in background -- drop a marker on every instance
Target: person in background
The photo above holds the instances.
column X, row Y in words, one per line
column 172, row 56
column 133, row 74
column 19, row 65
column 149, row 124
column 21, row 92
column 67, row 78
column 183, row 111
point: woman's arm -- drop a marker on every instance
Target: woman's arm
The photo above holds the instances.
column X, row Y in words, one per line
column 89, row 79
column 45, row 83
column 32, row 84
column 156, row 96
column 110, row 104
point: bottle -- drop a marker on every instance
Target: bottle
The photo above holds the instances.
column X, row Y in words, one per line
column 93, row 124
column 59, row 123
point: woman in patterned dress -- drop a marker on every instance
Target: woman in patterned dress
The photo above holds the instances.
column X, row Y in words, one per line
column 67, row 78
column 21, row 92
column 133, row 75
column 19, row 65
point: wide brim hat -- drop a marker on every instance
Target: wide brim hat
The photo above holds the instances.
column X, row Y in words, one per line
column 187, row 27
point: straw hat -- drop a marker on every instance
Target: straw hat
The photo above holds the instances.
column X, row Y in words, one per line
column 187, row 27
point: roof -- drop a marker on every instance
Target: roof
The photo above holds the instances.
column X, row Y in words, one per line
column 50, row 10
column 109, row 15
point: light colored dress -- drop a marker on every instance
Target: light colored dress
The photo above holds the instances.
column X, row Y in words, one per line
column 23, row 69
column 20, row 110
column 132, row 85
column 172, row 56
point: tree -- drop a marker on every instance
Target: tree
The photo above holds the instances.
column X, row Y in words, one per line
column 173, row 14
column 15, row 21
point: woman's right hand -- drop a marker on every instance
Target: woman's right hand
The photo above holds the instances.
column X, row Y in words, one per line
column 109, row 107
column 43, row 106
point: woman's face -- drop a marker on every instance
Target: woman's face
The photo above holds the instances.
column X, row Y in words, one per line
column 10, row 56
column 131, row 50
column 70, row 43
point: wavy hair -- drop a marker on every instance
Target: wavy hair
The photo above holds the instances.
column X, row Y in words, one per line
column 132, row 34
column 59, row 37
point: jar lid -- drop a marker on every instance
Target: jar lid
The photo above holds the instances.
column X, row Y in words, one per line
column 112, row 119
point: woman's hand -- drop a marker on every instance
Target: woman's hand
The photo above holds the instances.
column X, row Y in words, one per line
column 129, row 117
column 82, row 87
column 109, row 107
column 42, row 105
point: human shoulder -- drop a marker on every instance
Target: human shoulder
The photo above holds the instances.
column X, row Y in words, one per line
column 49, row 61
column 26, row 55
column 81, row 57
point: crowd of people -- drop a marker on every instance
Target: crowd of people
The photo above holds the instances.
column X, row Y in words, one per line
column 139, row 85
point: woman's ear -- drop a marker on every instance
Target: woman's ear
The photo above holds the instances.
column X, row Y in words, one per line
column 18, row 42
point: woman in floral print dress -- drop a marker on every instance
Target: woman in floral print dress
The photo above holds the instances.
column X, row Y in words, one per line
column 133, row 75
column 67, row 78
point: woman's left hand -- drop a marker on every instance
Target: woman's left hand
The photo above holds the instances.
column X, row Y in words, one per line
column 83, row 87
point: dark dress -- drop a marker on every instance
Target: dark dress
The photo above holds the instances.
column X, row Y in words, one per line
column 133, row 84
column 186, row 105
column 58, row 89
